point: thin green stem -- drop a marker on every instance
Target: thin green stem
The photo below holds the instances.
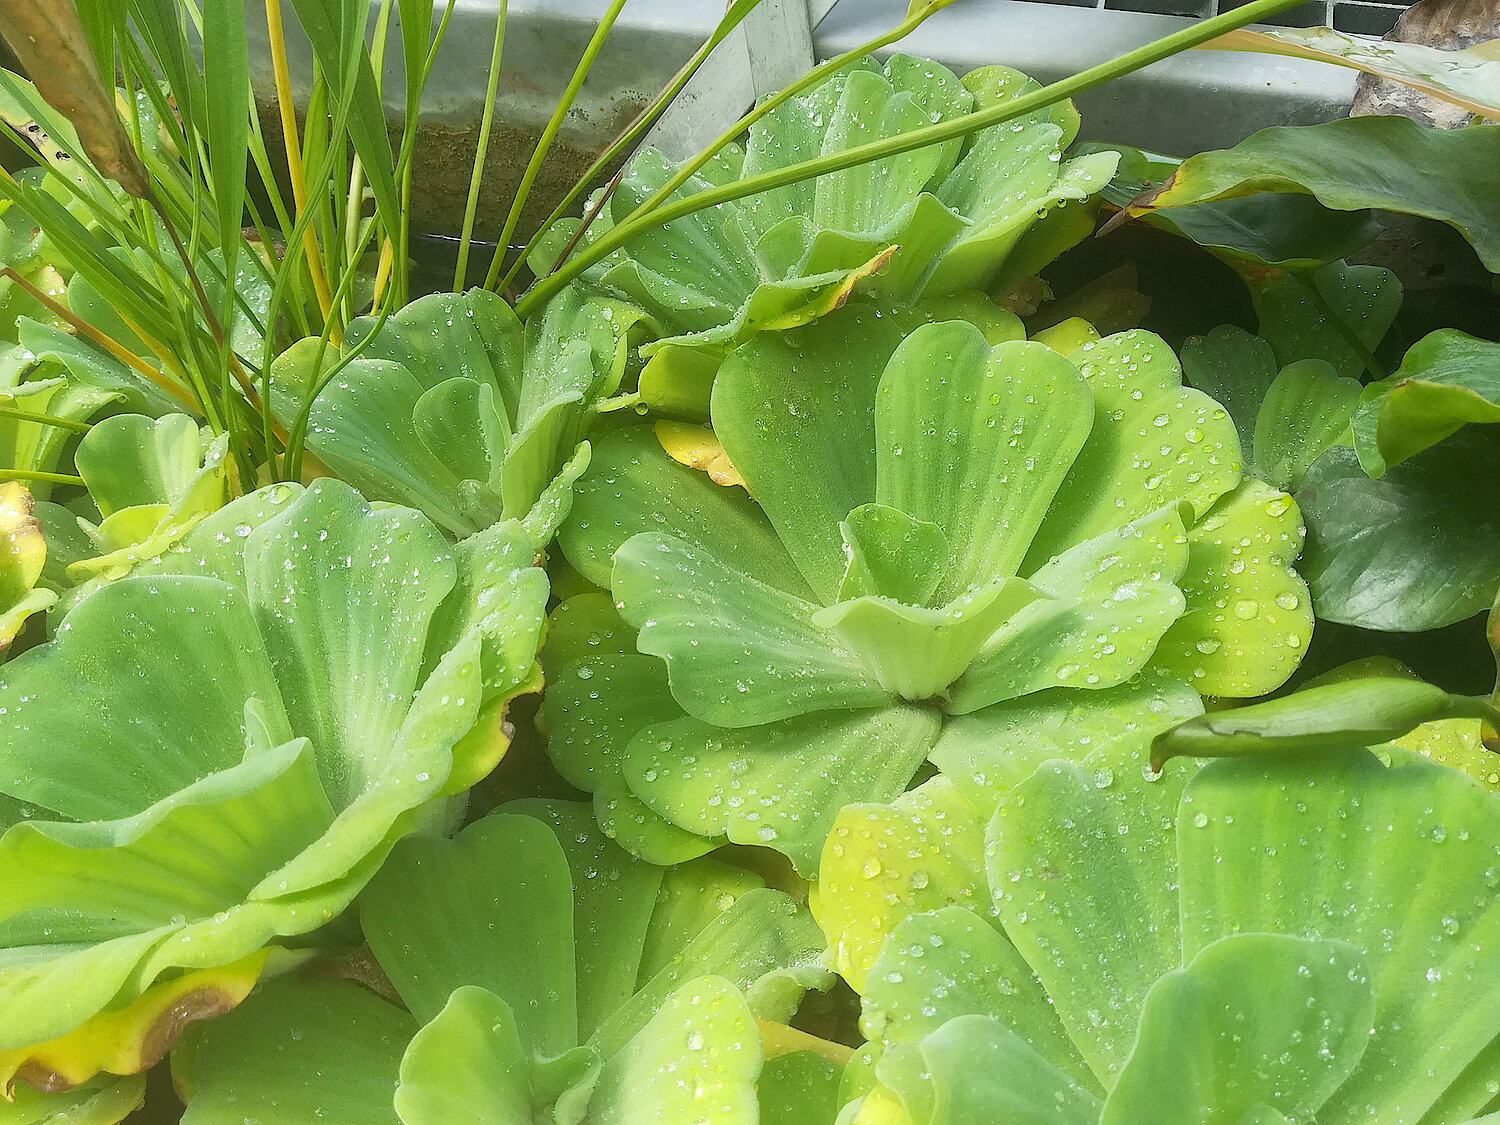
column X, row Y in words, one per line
column 44, row 419
column 1037, row 100
column 544, row 144
column 476, row 176
column 45, row 478
column 633, row 132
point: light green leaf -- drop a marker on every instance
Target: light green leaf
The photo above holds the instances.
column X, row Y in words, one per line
column 923, row 851
column 1447, row 380
column 1360, row 847
column 975, row 1069
column 468, row 1064
column 782, row 783
column 1109, row 601
column 697, row 1060
column 1153, row 442
column 797, row 419
column 977, row 441
column 891, row 554
column 900, row 225
column 1256, row 1026
column 800, row 1088
column 632, row 486
column 492, row 909
column 991, row 750
column 101, row 1102
column 1248, row 616
column 1105, row 896
column 160, row 706
column 1009, row 178
column 951, row 963
column 272, row 1058
column 738, row 652
column 916, row 653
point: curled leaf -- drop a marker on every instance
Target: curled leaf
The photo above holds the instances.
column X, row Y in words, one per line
column 50, row 43
column 1339, row 716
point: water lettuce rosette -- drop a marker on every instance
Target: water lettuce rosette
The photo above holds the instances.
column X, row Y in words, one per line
column 453, row 407
column 217, row 751
column 963, row 215
column 949, row 551
column 540, row 974
column 1276, row 939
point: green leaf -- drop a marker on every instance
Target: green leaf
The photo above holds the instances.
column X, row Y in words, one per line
column 443, row 915
column 336, row 30
column 106, row 1102
column 1358, row 847
column 998, row 747
column 1417, row 549
column 1108, row 602
column 1008, row 179
column 1337, row 313
column 891, row 554
column 581, row 942
column 1360, row 162
column 34, row 446
column 697, row 1060
column 800, row 1088
column 949, row 964
column 1105, row 897
column 975, row 1069
column 797, row 419
column 152, row 480
column 782, row 783
column 923, row 851
column 467, row 1064
column 600, row 693
column 977, row 441
column 1365, row 711
column 738, row 652
column 244, row 1065
column 1236, row 369
column 632, row 486
column 943, row 217
column 1248, row 616
column 1447, row 380
column 1305, row 413
column 1257, row 1025
column 1153, row 442
column 455, row 409
column 165, row 695
column 915, row 652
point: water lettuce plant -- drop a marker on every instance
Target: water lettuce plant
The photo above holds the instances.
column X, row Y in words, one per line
column 950, row 547
column 947, row 218
column 1268, row 940
column 453, row 407
column 883, row 603
column 217, row 751
column 579, row 985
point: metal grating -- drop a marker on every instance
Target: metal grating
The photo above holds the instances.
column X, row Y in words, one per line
column 1357, row 17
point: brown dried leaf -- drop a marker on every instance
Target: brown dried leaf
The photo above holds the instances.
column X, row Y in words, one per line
column 50, row 44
